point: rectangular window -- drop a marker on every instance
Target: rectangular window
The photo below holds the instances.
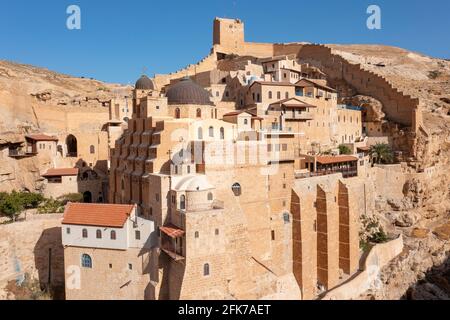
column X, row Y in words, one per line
column 284, row 147
column 130, row 266
column 68, row 230
column 137, row 235
column 273, row 235
column 157, row 197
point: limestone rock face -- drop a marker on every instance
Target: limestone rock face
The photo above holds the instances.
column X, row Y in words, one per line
column 372, row 107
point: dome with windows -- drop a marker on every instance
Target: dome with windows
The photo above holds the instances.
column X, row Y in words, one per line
column 194, row 183
column 144, row 83
column 187, row 91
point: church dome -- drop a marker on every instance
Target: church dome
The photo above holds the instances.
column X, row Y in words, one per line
column 144, row 83
column 194, row 183
column 187, row 91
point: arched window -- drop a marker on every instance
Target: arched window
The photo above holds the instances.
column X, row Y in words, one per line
column 92, row 149
column 200, row 133
column 246, row 121
column 177, row 113
column 222, row 133
column 113, row 235
column 237, row 190
column 86, row 261
column 183, row 202
column 206, row 269
column 211, row 132
column 72, row 146
column 210, row 196
column 199, row 113
column 99, row 234
column 84, row 233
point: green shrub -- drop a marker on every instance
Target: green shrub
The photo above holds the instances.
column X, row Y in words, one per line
column 51, row 206
column 379, row 237
column 11, row 207
column 344, row 150
column 71, row 197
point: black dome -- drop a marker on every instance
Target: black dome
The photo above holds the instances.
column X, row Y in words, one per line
column 144, row 83
column 188, row 92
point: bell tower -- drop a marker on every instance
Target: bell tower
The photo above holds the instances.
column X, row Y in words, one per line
column 228, row 34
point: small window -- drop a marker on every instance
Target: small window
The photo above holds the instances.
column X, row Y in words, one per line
column 130, row 266
column 211, row 132
column 197, row 235
column 92, row 149
column 110, row 265
column 286, row 218
column 206, row 269
column 157, row 197
column 86, row 261
column 68, row 230
column 278, row 95
column 222, row 133
column 200, row 133
column 183, row 202
column 85, row 233
column 287, row 95
column 99, row 234
column 237, row 190
column 210, row 196
column 270, row 94
column 217, row 232
column 199, row 113
column 113, row 235
column 137, row 235
column 273, row 235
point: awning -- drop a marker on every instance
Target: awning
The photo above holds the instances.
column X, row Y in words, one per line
column 172, row 231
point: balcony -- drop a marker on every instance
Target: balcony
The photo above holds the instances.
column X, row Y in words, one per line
column 281, row 156
column 20, row 153
column 346, row 173
column 299, row 116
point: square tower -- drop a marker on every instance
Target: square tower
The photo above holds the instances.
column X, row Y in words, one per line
column 229, row 34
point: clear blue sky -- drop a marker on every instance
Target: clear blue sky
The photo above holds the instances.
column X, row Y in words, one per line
column 119, row 38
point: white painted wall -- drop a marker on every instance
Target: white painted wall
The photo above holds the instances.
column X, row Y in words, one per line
column 125, row 237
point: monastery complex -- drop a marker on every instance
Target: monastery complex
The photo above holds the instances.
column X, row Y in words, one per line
column 224, row 180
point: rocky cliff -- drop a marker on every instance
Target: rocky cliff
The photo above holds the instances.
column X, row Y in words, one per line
column 38, row 100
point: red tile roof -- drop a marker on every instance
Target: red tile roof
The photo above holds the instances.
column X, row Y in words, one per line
column 337, row 159
column 98, row 215
column 315, row 83
column 61, row 172
column 293, row 102
column 41, row 137
column 172, row 231
column 236, row 113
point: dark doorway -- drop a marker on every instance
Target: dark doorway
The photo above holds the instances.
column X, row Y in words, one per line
column 72, row 147
column 87, row 197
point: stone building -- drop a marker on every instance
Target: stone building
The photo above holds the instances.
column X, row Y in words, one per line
column 236, row 170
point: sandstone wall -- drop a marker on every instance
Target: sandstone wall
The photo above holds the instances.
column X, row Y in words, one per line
column 29, row 247
column 379, row 256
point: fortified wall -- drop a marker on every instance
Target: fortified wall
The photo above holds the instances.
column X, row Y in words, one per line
column 33, row 247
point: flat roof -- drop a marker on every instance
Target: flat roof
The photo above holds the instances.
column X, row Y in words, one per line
column 97, row 215
column 336, row 159
column 41, row 137
column 61, row 172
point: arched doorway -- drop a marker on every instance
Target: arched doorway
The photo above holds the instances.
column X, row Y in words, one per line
column 72, row 147
column 177, row 113
column 87, row 197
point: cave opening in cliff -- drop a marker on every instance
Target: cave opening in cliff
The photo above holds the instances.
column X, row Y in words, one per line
column 72, row 146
